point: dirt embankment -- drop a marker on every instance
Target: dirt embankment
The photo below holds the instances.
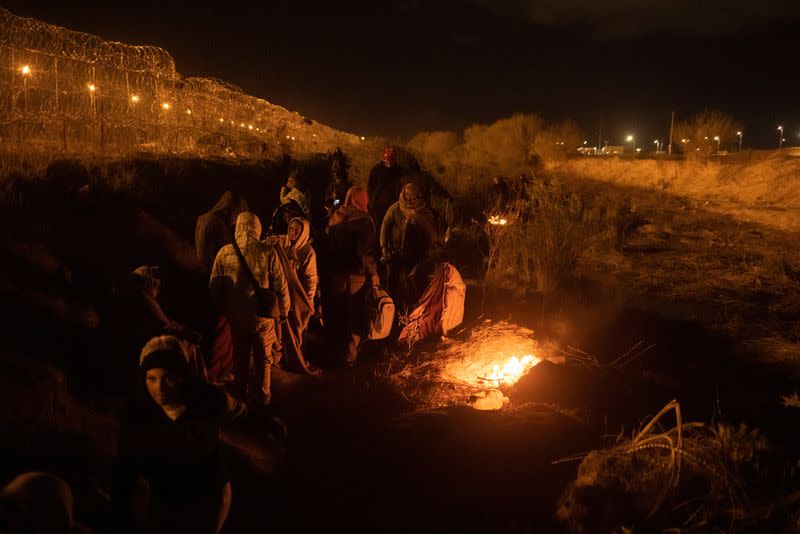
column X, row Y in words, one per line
column 765, row 191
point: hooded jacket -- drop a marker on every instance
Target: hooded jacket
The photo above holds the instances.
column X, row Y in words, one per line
column 303, row 258
column 231, row 287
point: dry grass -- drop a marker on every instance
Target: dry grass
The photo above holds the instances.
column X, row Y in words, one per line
column 765, row 191
column 692, row 477
column 547, row 234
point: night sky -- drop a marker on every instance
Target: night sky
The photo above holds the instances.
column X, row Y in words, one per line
column 398, row 67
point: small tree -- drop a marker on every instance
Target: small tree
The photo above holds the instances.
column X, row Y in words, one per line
column 701, row 136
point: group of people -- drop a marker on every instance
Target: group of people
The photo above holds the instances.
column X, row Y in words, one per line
column 266, row 285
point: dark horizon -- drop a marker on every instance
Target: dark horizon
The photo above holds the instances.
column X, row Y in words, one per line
column 404, row 66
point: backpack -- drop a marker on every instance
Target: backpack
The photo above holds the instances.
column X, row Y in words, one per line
column 380, row 309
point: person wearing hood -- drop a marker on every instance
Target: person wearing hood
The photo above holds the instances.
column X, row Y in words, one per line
column 233, row 292
column 214, row 229
column 407, row 234
column 302, row 257
column 299, row 261
column 169, row 474
column 352, row 242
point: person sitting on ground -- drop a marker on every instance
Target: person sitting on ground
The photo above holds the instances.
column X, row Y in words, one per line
column 38, row 503
column 214, row 229
column 407, row 234
column 234, row 295
column 384, row 185
column 352, row 242
column 169, row 474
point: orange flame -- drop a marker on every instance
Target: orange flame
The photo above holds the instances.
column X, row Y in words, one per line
column 513, row 369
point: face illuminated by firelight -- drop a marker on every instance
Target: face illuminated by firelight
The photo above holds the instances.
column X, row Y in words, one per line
column 164, row 386
column 295, row 229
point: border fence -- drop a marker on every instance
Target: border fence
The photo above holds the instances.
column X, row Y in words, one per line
column 63, row 91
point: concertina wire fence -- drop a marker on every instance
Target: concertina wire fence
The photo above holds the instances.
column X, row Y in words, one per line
column 67, row 92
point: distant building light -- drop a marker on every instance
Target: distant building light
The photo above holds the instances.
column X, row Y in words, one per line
column 363, row 138
column 221, row 119
column 166, row 106
column 91, row 87
column 134, row 99
column 25, row 70
column 188, row 111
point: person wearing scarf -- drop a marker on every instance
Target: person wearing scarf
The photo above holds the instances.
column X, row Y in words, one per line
column 351, row 250
column 169, row 473
column 299, row 263
column 407, row 234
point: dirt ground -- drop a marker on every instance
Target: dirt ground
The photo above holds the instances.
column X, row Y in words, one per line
column 707, row 304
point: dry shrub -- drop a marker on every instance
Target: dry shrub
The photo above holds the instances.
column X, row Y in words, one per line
column 689, row 478
column 546, row 235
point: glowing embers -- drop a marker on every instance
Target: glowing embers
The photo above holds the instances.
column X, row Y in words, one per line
column 498, row 220
column 494, row 355
column 511, row 371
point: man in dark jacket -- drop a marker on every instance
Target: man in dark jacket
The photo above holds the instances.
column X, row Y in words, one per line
column 408, row 232
column 351, row 246
column 214, row 229
column 384, row 185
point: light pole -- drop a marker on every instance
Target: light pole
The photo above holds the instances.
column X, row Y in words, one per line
column 739, row 133
column 716, row 138
column 780, row 137
column 658, row 147
column 631, row 141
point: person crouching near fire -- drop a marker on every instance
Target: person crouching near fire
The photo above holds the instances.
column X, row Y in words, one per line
column 169, row 474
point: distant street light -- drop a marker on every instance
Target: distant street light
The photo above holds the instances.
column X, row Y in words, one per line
column 631, row 141
column 739, row 133
column 25, row 70
column 780, row 137
column 658, row 147
column 716, row 138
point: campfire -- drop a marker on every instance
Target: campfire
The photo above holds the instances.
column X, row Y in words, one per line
column 511, row 371
column 494, row 356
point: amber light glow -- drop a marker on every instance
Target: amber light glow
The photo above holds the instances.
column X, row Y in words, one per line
column 497, row 220
column 512, row 370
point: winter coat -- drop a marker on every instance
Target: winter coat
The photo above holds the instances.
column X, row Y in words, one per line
column 231, row 287
column 351, row 236
column 404, row 238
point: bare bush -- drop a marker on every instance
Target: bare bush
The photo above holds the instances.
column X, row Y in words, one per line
column 705, row 133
